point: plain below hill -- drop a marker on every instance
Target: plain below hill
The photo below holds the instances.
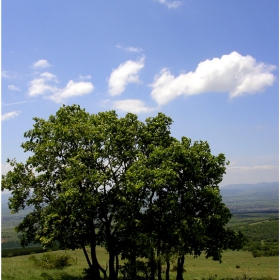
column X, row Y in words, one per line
column 263, row 197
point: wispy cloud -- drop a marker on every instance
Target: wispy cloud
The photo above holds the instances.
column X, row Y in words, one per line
column 16, row 103
column 126, row 73
column 42, row 63
column 130, row 49
column 252, row 168
column 46, row 84
column 132, row 105
column 8, row 74
column 233, row 73
column 251, row 174
column 14, row 88
column 9, row 115
column 170, row 4
column 88, row 77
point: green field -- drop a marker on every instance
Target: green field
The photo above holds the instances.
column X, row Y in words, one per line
column 22, row 268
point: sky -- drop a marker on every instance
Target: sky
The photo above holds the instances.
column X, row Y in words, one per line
column 212, row 66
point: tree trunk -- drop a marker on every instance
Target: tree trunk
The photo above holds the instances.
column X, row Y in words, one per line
column 117, row 266
column 159, row 269
column 152, row 265
column 167, row 270
column 180, row 268
column 133, row 265
column 112, row 274
column 94, row 271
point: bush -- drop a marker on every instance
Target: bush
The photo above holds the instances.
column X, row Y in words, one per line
column 52, row 261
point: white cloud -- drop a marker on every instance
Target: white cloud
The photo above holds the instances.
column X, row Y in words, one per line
column 40, row 86
column 130, row 49
column 42, row 63
column 12, row 87
column 126, row 73
column 170, row 5
column 71, row 89
column 132, row 105
column 45, row 85
column 231, row 73
column 9, row 115
column 5, row 168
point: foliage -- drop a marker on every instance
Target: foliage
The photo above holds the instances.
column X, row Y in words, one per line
column 52, row 261
column 96, row 179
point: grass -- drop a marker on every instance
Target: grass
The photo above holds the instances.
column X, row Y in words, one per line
column 235, row 264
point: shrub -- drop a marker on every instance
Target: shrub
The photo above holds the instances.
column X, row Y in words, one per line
column 52, row 261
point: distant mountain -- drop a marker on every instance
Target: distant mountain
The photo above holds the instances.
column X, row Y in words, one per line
column 251, row 197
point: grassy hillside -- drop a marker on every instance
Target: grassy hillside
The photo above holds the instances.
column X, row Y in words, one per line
column 235, row 264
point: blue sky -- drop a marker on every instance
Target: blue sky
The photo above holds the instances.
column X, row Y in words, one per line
column 212, row 66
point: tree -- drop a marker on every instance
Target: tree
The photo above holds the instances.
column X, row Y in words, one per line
column 75, row 180
column 184, row 208
column 126, row 185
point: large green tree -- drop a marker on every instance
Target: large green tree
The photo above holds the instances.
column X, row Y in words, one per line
column 127, row 185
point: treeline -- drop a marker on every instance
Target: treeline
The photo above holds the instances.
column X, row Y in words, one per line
column 125, row 185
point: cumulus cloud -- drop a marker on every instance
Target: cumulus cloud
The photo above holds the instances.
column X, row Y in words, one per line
column 42, row 84
column 45, row 84
column 132, row 105
column 12, row 87
column 130, row 49
column 126, row 73
column 170, row 4
column 9, row 115
column 72, row 89
column 232, row 73
column 42, row 63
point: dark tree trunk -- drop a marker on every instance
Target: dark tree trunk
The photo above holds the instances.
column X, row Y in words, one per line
column 133, row 265
column 167, row 270
column 94, row 270
column 180, row 268
column 117, row 265
column 152, row 265
column 159, row 269
column 112, row 273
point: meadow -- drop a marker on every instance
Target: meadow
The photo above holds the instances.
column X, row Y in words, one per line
column 234, row 264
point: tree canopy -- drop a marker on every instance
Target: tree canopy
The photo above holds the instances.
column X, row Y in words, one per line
column 129, row 186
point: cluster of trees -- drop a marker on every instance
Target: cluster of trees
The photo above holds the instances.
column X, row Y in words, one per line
column 99, row 180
